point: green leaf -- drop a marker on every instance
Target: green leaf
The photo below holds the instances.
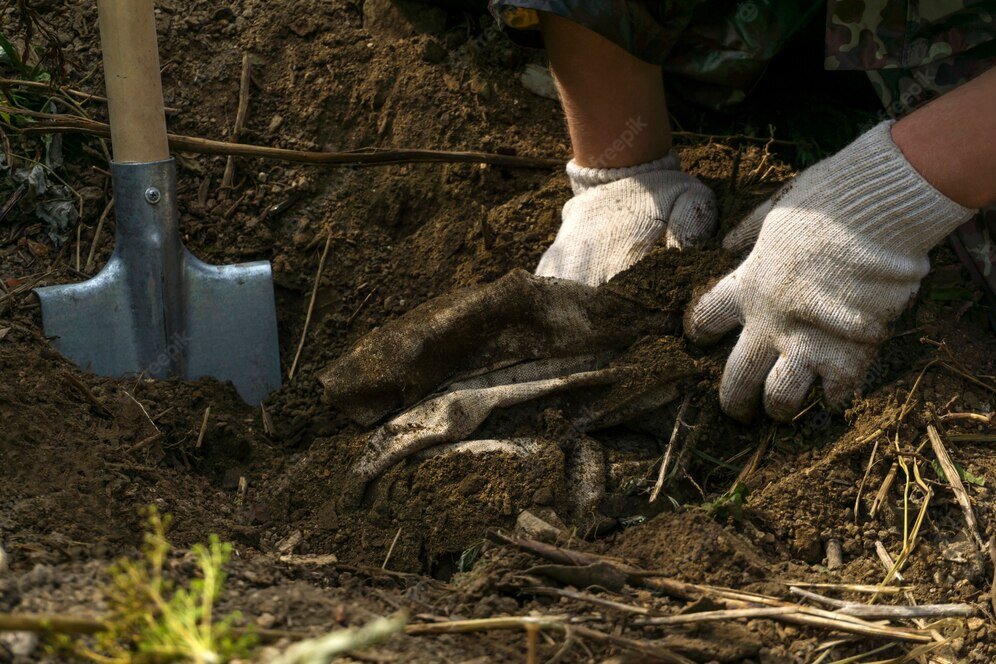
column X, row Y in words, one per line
column 9, row 53
column 962, row 473
column 950, row 294
column 469, row 557
column 729, row 505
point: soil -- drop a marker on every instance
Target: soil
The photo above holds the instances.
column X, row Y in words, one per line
column 80, row 455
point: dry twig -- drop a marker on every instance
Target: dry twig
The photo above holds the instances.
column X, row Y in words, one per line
column 71, row 124
column 546, row 623
column 961, row 495
column 311, row 305
column 731, row 599
column 887, row 562
column 669, row 452
column 204, row 426
column 88, row 266
column 240, row 117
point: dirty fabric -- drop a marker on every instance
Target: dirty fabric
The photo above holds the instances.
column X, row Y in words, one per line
column 516, row 319
column 526, row 345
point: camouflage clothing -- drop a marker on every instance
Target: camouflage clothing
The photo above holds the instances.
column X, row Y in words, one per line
column 715, row 50
column 912, row 51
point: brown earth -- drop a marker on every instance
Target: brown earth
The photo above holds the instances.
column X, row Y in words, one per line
column 80, row 454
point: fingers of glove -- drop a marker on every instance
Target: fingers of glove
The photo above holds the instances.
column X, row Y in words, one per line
column 843, row 370
column 551, row 264
column 787, row 385
column 743, row 379
column 744, row 235
column 716, row 312
column 693, row 218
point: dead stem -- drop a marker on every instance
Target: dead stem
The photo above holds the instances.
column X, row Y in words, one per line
column 669, row 451
column 864, row 480
column 240, row 117
column 311, row 305
column 547, row 623
column 849, row 587
column 887, row 562
column 88, row 266
column 954, row 480
column 71, row 124
column 731, row 599
column 204, row 426
column 61, row 624
column 390, row 550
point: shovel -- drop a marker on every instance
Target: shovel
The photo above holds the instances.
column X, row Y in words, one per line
column 155, row 309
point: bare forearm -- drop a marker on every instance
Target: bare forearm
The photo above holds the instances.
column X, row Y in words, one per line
column 614, row 102
column 952, row 142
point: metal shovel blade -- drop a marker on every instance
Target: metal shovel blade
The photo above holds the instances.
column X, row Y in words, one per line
column 157, row 310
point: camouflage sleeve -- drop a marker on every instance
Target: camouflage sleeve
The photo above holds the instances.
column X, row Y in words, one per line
column 713, row 50
column 912, row 51
column 648, row 30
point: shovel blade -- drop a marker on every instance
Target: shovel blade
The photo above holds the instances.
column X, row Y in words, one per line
column 157, row 310
column 99, row 325
column 227, row 328
column 230, row 326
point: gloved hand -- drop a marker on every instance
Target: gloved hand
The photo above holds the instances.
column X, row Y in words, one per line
column 840, row 253
column 618, row 214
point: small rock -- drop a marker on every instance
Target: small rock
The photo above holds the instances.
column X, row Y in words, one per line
column 481, row 87
column 543, row 496
column 303, row 28
column 4, row 558
column 266, row 621
column 532, row 525
column 19, row 644
column 538, row 80
column 275, row 122
column 287, row 544
column 401, row 18
column 433, row 51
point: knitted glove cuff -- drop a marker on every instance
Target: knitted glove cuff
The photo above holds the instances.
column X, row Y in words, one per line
column 583, row 177
column 876, row 193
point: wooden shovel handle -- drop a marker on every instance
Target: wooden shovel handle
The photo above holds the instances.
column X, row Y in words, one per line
column 134, row 87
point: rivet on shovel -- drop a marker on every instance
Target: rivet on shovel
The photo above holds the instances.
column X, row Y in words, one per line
column 155, row 309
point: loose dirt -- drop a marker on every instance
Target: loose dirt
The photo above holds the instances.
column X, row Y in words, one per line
column 80, row 454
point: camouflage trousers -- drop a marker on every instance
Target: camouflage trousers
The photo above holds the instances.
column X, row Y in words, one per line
column 913, row 50
column 713, row 51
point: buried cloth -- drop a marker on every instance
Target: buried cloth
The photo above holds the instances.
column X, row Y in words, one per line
column 483, row 370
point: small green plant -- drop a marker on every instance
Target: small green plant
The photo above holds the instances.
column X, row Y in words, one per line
column 730, row 505
column 153, row 620
column 962, row 473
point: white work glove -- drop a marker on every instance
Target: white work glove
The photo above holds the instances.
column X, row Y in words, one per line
column 618, row 214
column 840, row 253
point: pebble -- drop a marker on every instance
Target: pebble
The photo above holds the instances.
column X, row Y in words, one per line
column 19, row 644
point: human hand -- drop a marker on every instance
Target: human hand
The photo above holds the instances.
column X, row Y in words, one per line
column 840, row 253
column 617, row 216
